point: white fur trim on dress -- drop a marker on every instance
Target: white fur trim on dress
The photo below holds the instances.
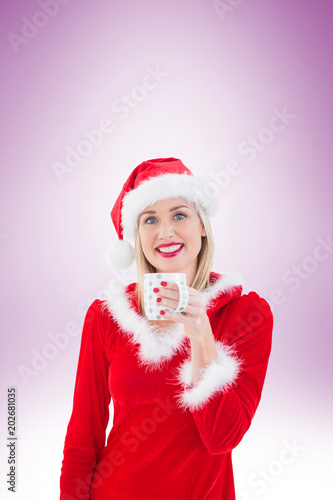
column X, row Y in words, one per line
column 215, row 378
column 224, row 284
column 155, row 348
column 163, row 187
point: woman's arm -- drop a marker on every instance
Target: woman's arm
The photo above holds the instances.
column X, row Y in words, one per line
column 85, row 436
column 224, row 399
column 203, row 352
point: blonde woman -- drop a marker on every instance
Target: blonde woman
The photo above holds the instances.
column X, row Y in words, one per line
column 184, row 389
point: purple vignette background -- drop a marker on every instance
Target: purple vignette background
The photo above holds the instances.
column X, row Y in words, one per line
column 240, row 91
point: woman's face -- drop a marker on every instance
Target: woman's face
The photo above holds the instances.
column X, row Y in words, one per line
column 170, row 233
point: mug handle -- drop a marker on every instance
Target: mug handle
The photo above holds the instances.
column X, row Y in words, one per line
column 183, row 297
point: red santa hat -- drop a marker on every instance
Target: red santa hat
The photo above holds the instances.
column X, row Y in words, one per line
column 152, row 181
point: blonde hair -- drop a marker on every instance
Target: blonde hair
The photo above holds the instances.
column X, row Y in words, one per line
column 205, row 260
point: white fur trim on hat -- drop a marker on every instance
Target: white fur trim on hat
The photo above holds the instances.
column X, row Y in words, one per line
column 166, row 186
column 120, row 254
column 215, row 378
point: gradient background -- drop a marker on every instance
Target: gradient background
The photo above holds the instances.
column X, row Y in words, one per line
column 225, row 76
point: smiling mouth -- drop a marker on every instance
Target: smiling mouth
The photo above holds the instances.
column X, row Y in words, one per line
column 170, row 250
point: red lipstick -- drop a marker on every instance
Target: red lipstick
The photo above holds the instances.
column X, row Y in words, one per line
column 173, row 252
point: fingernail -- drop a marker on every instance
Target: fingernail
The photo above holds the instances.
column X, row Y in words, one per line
column 156, row 290
column 164, row 283
column 162, row 312
column 158, row 299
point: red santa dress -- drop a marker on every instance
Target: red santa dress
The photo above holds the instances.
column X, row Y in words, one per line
column 169, row 439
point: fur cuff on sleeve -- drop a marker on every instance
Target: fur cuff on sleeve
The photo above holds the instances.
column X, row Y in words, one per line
column 215, row 378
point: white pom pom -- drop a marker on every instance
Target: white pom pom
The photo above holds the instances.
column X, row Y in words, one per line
column 120, row 254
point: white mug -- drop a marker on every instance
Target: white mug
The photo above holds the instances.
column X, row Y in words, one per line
column 153, row 280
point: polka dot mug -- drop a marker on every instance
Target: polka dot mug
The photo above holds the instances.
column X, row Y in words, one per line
column 153, row 280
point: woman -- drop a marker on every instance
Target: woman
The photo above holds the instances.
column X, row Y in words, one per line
column 184, row 389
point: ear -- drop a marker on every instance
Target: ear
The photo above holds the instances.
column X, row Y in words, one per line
column 203, row 231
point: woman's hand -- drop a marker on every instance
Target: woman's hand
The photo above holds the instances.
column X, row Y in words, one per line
column 194, row 317
column 196, row 325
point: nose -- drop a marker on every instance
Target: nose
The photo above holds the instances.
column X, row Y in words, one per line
column 165, row 231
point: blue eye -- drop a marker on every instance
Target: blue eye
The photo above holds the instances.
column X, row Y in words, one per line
column 150, row 218
column 182, row 216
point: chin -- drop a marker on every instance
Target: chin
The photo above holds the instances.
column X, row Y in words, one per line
column 170, row 268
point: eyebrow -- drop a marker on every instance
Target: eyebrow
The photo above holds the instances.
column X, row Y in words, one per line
column 171, row 210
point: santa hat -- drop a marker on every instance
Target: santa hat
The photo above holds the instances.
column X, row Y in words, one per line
column 152, row 181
